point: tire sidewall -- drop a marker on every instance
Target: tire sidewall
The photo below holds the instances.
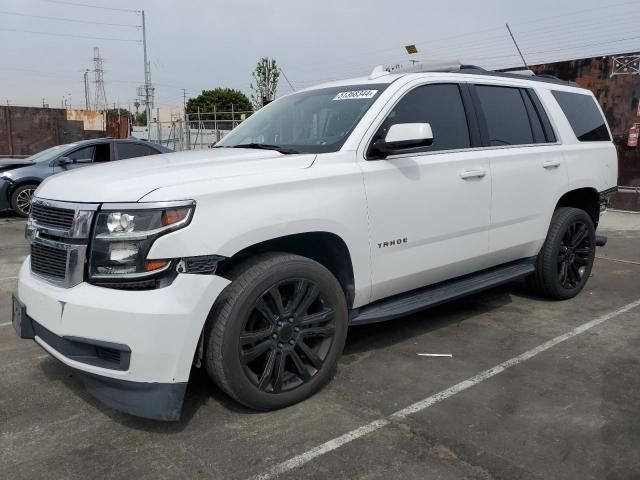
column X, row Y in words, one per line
column 553, row 250
column 242, row 387
column 14, row 199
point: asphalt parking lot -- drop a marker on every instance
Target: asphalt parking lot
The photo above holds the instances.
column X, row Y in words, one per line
column 563, row 401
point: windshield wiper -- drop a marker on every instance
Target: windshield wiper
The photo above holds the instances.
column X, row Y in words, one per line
column 266, row 146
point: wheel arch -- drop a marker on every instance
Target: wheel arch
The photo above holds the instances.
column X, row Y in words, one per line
column 326, row 248
column 23, row 181
column 586, row 198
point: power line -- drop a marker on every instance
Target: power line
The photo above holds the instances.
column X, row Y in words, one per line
column 68, row 19
column 285, row 77
column 75, row 4
column 500, row 38
column 68, row 35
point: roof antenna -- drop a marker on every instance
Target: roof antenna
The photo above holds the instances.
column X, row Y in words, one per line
column 517, row 47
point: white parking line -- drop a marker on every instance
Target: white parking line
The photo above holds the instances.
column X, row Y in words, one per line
column 5, row 324
column 338, row 442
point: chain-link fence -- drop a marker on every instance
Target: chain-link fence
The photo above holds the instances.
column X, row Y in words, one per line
column 196, row 131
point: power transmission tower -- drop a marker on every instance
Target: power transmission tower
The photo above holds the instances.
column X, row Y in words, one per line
column 100, row 102
column 87, row 93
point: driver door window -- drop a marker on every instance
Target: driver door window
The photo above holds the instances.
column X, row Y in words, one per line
column 441, row 106
column 83, row 155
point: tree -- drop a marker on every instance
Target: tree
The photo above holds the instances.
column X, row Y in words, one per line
column 220, row 100
column 223, row 101
column 123, row 112
column 141, row 119
column 266, row 76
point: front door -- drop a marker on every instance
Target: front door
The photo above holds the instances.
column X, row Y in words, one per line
column 428, row 209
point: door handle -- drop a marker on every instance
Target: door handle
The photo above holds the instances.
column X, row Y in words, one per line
column 551, row 163
column 468, row 174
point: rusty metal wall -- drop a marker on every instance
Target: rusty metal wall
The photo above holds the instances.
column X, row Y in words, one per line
column 618, row 96
column 118, row 126
column 27, row 130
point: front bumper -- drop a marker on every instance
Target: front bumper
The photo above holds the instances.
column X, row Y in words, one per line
column 156, row 330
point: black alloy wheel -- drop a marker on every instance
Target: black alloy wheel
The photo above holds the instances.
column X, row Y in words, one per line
column 276, row 332
column 564, row 263
column 574, row 254
column 287, row 336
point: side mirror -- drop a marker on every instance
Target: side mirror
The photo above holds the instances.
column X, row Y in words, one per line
column 404, row 136
column 61, row 162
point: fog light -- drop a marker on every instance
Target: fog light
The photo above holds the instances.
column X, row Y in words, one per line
column 122, row 252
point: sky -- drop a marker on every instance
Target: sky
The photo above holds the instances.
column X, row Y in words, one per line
column 47, row 45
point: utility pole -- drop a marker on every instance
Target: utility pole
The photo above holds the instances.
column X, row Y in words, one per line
column 87, row 102
column 517, row 47
column 147, row 77
column 184, row 141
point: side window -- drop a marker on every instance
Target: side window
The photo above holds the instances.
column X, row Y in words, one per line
column 131, row 150
column 505, row 115
column 584, row 116
column 439, row 105
column 84, row 155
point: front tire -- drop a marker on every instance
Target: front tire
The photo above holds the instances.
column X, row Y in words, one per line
column 277, row 331
column 564, row 264
column 21, row 199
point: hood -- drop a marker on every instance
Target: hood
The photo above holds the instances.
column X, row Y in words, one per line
column 130, row 180
column 11, row 163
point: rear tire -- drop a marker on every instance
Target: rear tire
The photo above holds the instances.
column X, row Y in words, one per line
column 21, row 199
column 564, row 264
column 277, row 331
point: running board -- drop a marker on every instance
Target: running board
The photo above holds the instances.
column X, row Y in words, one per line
column 406, row 303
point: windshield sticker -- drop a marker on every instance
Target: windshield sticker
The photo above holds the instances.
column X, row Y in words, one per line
column 355, row 94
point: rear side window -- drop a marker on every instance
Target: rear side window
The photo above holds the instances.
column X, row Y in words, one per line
column 584, row 116
column 441, row 106
column 505, row 115
column 131, row 150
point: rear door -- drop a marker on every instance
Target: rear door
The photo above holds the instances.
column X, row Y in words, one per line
column 527, row 169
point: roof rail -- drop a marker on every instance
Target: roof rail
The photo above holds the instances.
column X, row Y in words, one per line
column 458, row 67
column 440, row 66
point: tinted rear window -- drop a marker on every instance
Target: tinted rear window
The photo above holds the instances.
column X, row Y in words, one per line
column 584, row 116
column 505, row 115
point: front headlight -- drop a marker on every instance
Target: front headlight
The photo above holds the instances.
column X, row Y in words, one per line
column 123, row 235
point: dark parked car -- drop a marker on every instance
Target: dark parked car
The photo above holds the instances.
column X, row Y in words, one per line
column 20, row 177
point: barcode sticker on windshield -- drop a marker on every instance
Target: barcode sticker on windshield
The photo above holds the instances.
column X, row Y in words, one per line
column 355, row 94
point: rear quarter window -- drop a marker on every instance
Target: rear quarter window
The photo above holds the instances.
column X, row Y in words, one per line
column 584, row 116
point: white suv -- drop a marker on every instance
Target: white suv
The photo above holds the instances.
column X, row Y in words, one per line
column 352, row 202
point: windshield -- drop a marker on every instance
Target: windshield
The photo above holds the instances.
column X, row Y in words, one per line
column 48, row 154
column 308, row 122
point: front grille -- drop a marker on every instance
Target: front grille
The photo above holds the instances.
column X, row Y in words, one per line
column 52, row 216
column 48, row 261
